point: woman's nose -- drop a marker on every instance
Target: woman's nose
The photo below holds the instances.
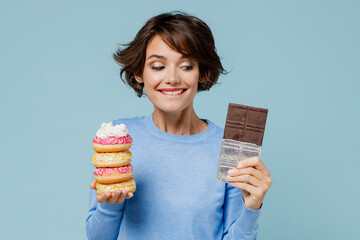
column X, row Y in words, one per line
column 173, row 77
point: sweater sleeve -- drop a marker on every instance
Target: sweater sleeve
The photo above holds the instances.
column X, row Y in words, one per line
column 239, row 221
column 103, row 221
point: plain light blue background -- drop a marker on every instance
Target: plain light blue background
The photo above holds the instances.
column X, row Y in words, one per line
column 300, row 59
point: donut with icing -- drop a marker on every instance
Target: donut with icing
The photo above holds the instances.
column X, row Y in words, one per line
column 113, row 174
column 110, row 138
column 112, row 144
column 128, row 185
column 111, row 159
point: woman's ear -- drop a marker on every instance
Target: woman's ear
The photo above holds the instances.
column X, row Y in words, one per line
column 139, row 79
column 202, row 79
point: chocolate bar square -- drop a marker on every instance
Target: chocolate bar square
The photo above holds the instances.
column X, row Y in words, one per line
column 245, row 123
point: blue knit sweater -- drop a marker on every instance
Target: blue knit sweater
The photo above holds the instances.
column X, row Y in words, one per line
column 177, row 195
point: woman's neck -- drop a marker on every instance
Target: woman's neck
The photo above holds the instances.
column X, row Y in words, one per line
column 185, row 122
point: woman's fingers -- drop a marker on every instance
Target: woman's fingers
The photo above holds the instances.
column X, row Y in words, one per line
column 253, row 166
column 247, row 179
column 103, row 197
column 249, row 171
column 254, row 162
column 93, row 184
column 253, row 191
column 129, row 195
column 117, row 196
column 121, row 197
column 253, row 178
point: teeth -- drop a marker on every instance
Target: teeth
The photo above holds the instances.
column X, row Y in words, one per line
column 173, row 92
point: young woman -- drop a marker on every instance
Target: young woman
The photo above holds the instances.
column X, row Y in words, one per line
column 175, row 153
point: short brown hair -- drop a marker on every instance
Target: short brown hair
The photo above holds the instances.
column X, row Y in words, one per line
column 185, row 34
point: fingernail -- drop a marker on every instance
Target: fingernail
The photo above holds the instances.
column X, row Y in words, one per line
column 231, row 171
column 239, row 165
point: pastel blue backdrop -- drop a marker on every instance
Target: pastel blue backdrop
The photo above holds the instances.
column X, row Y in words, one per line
column 300, row 59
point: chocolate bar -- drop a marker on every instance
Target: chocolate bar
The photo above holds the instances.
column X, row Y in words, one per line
column 245, row 123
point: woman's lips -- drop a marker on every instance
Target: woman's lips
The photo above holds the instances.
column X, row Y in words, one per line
column 172, row 92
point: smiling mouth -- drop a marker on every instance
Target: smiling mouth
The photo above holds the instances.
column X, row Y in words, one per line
column 173, row 93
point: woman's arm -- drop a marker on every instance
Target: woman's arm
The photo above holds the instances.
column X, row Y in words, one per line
column 105, row 214
column 239, row 221
column 242, row 207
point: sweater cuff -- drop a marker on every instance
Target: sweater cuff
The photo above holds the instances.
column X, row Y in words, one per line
column 249, row 218
column 111, row 209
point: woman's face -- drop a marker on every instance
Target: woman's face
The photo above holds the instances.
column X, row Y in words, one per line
column 170, row 79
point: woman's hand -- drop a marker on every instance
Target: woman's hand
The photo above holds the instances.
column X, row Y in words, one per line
column 117, row 196
column 253, row 178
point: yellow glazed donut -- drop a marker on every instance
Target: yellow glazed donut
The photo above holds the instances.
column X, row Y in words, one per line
column 128, row 185
column 111, row 159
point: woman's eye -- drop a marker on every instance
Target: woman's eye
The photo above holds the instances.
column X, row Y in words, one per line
column 157, row 68
column 187, row 68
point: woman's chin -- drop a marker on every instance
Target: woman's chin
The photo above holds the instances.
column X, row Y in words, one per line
column 173, row 109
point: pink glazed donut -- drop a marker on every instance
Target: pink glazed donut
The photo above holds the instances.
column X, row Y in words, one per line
column 112, row 144
column 113, row 174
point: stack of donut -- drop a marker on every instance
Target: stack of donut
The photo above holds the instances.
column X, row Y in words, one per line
column 112, row 159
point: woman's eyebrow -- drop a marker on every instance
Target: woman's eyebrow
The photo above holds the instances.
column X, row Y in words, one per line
column 156, row 56
column 161, row 57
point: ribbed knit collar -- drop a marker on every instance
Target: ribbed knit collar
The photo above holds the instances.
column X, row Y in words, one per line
column 153, row 129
